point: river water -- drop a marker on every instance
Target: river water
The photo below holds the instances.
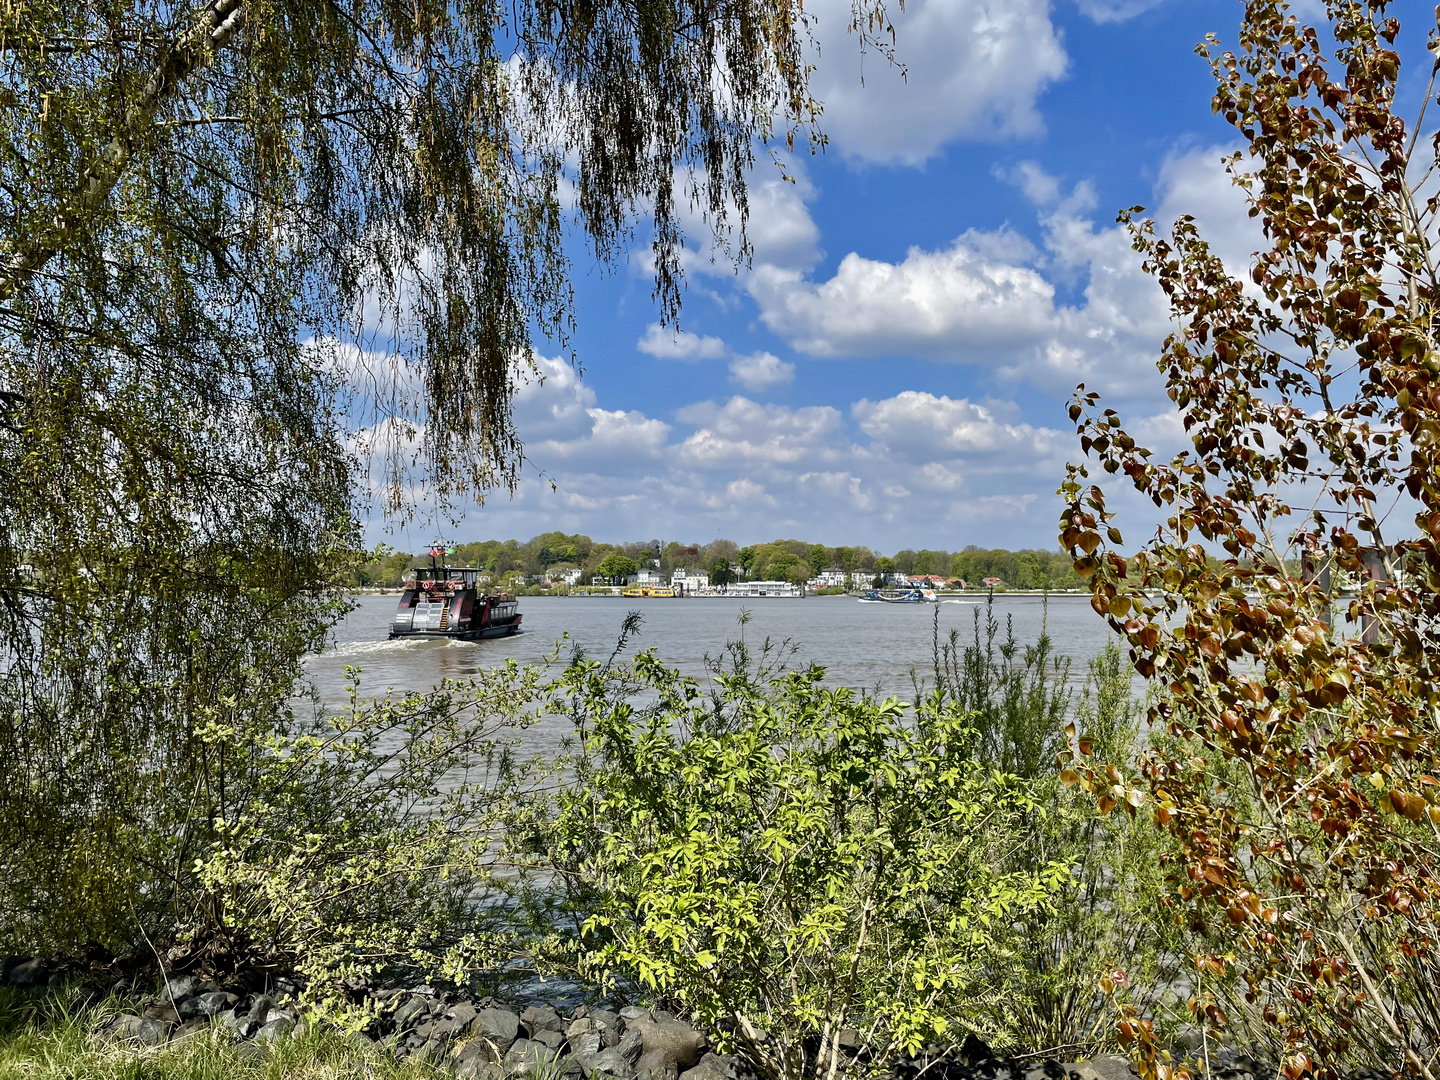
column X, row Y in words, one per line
column 867, row 646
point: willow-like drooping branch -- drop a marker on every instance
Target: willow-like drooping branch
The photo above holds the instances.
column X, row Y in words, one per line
column 194, row 51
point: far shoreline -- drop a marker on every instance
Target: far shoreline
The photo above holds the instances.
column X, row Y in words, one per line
column 968, row 594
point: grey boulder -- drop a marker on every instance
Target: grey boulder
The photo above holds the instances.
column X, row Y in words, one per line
column 275, row 1030
column 541, row 1018
column 610, row 1063
column 604, row 1020
column 141, row 1029
column 475, row 1047
column 676, row 1037
column 260, row 1008
column 552, row 1039
column 1103, row 1067
column 499, row 1027
column 179, row 988
column 617, row 1061
column 241, row 1027
column 526, row 1058
column 211, row 1004
column 657, row 1064
column 27, row 973
column 411, row 1010
column 631, row 1046
column 710, row 1067
column 586, row 1045
column 478, row 1068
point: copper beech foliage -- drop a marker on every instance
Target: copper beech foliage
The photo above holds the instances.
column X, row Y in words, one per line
column 1287, row 606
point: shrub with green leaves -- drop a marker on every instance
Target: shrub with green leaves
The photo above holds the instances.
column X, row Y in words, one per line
column 366, row 843
column 802, row 869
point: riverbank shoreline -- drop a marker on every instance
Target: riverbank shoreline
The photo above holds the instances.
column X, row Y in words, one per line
column 251, row 1023
column 254, row 1017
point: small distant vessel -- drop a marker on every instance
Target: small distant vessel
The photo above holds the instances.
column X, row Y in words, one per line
column 900, row 596
column 446, row 602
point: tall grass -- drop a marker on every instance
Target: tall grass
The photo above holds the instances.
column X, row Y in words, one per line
column 1028, row 711
column 42, row 1038
column 1018, row 696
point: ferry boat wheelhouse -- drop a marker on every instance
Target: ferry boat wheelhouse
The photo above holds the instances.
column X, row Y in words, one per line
column 446, row 602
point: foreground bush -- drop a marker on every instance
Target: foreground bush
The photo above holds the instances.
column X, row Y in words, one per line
column 363, row 845
column 806, row 870
column 823, row 879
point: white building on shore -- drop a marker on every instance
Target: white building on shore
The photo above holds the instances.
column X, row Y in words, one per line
column 861, row 580
column 689, row 581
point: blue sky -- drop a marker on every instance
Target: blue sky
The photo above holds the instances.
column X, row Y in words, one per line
column 893, row 368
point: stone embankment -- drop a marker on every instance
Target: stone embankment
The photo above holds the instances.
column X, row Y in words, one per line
column 484, row 1039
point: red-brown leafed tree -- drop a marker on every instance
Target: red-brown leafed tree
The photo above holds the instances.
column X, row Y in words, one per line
column 1288, row 605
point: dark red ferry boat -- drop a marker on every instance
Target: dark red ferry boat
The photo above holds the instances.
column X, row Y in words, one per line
column 446, row 602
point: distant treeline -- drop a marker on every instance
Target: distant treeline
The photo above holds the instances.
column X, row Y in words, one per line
column 782, row 560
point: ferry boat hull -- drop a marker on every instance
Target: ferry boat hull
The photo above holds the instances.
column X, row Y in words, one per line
column 463, row 635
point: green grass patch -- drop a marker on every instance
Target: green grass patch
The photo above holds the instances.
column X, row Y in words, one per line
column 44, row 1039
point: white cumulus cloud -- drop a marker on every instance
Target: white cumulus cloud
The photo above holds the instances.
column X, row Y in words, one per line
column 677, row 344
column 761, row 370
column 1069, row 305
column 756, row 371
column 880, row 472
column 973, row 69
column 993, row 297
column 558, row 418
column 978, row 292
column 742, row 431
column 926, row 429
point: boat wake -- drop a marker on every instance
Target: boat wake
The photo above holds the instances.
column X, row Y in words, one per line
column 348, row 649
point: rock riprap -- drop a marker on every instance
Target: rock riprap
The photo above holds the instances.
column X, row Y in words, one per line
column 486, row 1039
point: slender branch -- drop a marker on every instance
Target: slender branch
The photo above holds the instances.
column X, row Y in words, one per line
column 193, row 52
